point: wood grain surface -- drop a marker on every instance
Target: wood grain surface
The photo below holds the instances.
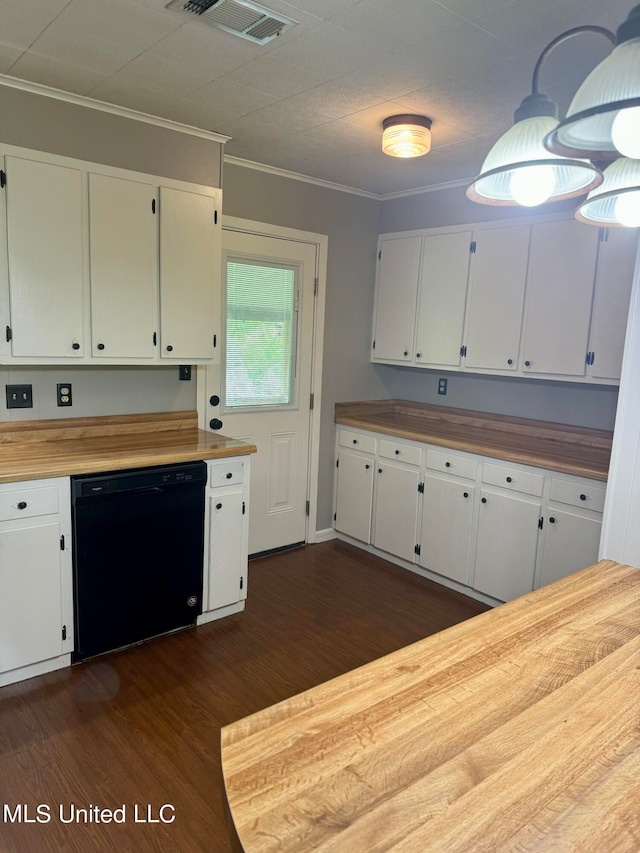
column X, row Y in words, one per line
column 556, row 447
column 516, row 730
column 56, row 448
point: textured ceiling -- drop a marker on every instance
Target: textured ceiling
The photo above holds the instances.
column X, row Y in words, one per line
column 313, row 100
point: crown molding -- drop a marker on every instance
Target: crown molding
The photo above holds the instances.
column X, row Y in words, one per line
column 431, row 188
column 104, row 107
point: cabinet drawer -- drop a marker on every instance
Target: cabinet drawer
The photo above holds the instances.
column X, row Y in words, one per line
column 461, row 466
column 357, row 440
column 28, row 502
column 513, row 478
column 226, row 474
column 584, row 495
column 410, row 453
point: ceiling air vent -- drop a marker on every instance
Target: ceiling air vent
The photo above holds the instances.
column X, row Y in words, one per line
column 239, row 17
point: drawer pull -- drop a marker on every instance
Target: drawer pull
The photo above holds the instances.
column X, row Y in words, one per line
column 406, row 353
column 75, row 345
column 527, row 363
column 583, row 497
column 100, row 346
column 397, row 453
column 21, row 505
column 447, row 464
column 509, row 480
column 355, row 440
column 229, row 475
column 509, row 361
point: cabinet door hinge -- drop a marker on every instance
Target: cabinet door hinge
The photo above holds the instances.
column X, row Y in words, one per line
column 155, row 339
column 380, row 255
column 315, row 286
column 153, row 205
column 373, row 345
column 416, row 550
column 473, row 246
column 62, row 542
column 463, row 351
column 215, row 341
column 540, row 523
column 241, row 582
column 306, row 508
column 335, row 516
column 311, row 399
column 3, row 178
column 421, row 488
column 64, row 632
column 337, row 463
column 215, row 217
column 244, row 508
column 8, row 333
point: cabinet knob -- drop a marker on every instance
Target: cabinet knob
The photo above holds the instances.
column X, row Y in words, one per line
column 218, row 506
column 100, row 346
column 583, row 497
column 447, row 464
column 465, row 494
column 397, row 453
column 355, row 440
column 509, row 480
column 379, row 470
column 215, row 423
column 229, row 475
column 169, row 348
column 75, row 345
column 509, row 361
column 527, row 364
column 22, row 505
column 406, row 352
column 484, row 500
column 367, row 466
column 552, row 520
column 418, row 355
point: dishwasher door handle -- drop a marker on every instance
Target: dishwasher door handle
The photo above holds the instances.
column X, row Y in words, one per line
column 145, row 490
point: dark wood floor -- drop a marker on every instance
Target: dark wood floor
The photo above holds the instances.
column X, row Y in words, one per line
column 142, row 727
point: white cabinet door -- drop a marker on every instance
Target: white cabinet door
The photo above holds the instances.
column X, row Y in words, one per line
column 447, row 527
column 442, row 297
column 31, row 599
column 123, row 253
column 497, row 281
column 396, row 293
column 560, row 292
column 571, row 543
column 396, row 512
column 227, row 557
column 190, row 274
column 614, row 277
column 507, row 544
column 354, row 496
column 44, row 245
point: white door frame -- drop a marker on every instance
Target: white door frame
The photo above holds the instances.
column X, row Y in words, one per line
column 321, row 241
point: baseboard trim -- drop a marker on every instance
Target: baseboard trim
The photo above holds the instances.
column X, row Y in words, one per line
column 326, row 535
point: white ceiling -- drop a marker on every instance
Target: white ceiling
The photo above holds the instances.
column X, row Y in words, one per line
column 313, row 100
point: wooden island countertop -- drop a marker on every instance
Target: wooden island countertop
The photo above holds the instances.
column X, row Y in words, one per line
column 556, row 447
column 31, row 450
column 517, row 730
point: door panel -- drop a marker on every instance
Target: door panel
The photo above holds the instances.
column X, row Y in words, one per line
column 275, row 382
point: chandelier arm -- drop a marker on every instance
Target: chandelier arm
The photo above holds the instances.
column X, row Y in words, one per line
column 587, row 28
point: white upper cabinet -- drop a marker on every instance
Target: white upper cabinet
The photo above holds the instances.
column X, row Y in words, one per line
column 45, row 258
column 190, row 226
column 442, row 298
column 497, row 282
column 560, row 294
column 396, row 294
column 123, row 247
column 614, row 276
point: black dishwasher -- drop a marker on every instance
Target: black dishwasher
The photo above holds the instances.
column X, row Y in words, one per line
column 138, row 551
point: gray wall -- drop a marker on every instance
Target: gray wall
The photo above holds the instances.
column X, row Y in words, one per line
column 351, row 223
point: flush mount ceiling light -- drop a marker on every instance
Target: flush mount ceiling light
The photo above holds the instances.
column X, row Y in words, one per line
column 406, row 136
column 617, row 201
column 604, row 115
column 519, row 170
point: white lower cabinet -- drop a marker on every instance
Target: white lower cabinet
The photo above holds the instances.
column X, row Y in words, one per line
column 507, row 544
column 354, row 497
column 447, row 527
column 396, row 510
column 36, row 607
column 226, row 546
column 498, row 528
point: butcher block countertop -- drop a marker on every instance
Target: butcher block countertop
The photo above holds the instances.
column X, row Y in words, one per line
column 32, row 450
column 557, row 447
column 517, row 730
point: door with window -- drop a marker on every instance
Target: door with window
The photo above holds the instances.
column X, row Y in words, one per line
column 264, row 383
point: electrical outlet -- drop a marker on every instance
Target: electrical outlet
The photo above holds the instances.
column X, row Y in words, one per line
column 19, row 396
column 442, row 385
column 184, row 372
column 64, row 394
